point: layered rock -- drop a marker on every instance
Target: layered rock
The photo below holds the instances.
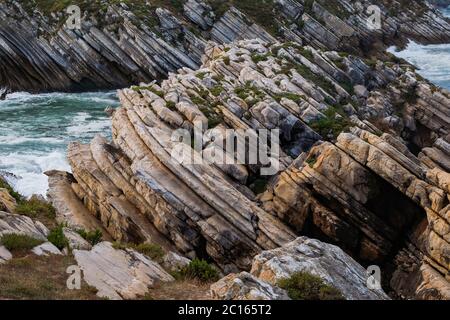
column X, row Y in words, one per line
column 119, row 274
column 323, row 260
column 326, row 261
column 118, row 45
column 363, row 169
column 19, row 224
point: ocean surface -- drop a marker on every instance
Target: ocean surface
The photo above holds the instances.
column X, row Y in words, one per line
column 36, row 129
column 433, row 61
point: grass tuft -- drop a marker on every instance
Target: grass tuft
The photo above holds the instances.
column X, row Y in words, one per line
column 19, row 242
column 305, row 286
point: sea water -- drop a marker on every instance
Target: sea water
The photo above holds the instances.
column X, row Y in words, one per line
column 35, row 130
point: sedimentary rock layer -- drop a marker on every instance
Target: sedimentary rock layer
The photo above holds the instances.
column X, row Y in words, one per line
column 356, row 165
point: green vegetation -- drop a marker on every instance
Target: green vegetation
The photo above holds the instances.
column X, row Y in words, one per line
column 305, row 286
column 259, row 185
column 93, row 237
column 57, row 237
column 153, row 251
column 305, row 72
column 411, row 96
column 334, row 122
column 201, row 75
column 217, row 90
column 143, row 10
column 335, row 8
column 226, row 60
column 35, row 207
column 171, row 105
column 317, row 79
column 306, row 53
column 207, row 107
column 198, row 269
column 248, row 90
column 149, row 88
column 14, row 194
column 263, row 12
column 311, row 160
column 41, row 278
column 260, row 57
column 21, row 242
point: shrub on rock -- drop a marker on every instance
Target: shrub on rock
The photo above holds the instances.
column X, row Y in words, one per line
column 14, row 242
column 305, row 286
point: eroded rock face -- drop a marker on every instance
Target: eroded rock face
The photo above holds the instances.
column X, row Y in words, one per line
column 119, row 274
column 18, row 224
column 7, row 202
column 69, row 209
column 345, row 175
column 326, row 261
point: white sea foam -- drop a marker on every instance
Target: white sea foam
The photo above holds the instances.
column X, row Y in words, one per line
column 12, row 140
column 29, row 169
column 35, row 131
column 86, row 127
column 433, row 61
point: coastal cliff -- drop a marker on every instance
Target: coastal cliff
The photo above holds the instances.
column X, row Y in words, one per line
column 366, row 170
column 123, row 43
column 363, row 170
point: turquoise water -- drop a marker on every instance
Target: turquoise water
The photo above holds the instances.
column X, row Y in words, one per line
column 36, row 129
column 433, row 61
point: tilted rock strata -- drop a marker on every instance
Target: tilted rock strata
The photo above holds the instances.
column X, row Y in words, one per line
column 7, row 202
column 364, row 190
column 119, row 45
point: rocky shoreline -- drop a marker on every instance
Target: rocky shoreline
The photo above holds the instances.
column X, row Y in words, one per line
column 364, row 162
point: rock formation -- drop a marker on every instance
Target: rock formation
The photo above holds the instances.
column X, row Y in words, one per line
column 363, row 168
column 119, row 274
column 328, row 262
column 364, row 142
column 119, row 45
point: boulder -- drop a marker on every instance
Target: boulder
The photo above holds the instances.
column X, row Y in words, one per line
column 174, row 262
column 5, row 255
column 119, row 274
column 75, row 240
column 361, row 91
column 46, row 249
column 18, row 224
column 324, row 260
column 245, row 286
column 7, row 202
